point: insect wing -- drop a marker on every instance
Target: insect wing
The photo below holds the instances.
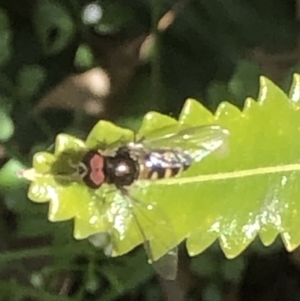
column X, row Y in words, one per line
column 167, row 265
column 153, row 227
column 159, row 238
column 102, row 241
column 197, row 141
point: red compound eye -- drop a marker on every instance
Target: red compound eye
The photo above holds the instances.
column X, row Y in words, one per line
column 96, row 173
column 95, row 176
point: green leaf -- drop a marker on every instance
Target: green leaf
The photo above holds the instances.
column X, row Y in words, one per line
column 8, row 175
column 249, row 188
column 54, row 26
column 29, row 80
column 84, row 57
column 123, row 278
column 206, row 265
column 217, row 92
column 244, row 82
column 6, row 103
column 5, row 41
column 232, row 270
column 6, row 125
column 107, row 133
column 212, row 293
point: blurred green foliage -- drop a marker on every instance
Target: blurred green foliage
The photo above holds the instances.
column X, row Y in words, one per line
column 203, row 54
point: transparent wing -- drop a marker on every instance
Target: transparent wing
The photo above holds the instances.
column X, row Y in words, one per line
column 197, row 141
column 158, row 238
column 156, row 231
column 102, row 241
column 166, row 266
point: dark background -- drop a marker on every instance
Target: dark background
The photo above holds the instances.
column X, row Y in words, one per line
column 61, row 71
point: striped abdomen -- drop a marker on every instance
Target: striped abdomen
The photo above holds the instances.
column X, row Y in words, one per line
column 162, row 164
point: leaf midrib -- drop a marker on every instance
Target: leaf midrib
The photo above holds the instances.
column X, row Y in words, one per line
column 232, row 174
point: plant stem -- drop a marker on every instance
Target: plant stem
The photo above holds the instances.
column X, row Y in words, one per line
column 27, row 291
column 5, row 257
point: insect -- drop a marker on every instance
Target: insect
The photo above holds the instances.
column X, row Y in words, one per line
column 153, row 159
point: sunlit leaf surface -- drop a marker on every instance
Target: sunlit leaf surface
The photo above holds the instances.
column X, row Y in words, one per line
column 250, row 187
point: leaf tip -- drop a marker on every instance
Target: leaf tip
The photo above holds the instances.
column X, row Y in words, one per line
column 27, row 174
column 226, row 110
column 294, row 94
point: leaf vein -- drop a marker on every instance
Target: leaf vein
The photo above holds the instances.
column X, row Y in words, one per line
column 232, row 174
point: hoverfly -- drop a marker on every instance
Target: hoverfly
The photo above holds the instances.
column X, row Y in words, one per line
column 150, row 159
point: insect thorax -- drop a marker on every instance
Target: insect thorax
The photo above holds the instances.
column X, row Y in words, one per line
column 121, row 169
